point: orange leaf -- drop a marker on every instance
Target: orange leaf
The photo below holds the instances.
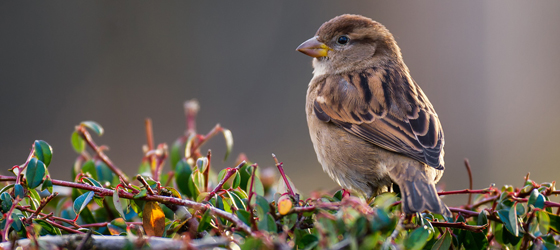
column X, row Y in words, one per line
column 284, row 205
column 153, row 219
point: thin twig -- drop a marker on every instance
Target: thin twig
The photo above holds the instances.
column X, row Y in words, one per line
column 253, row 223
column 466, row 191
column 230, row 172
column 468, row 166
column 41, row 206
column 460, row 225
column 48, row 216
column 145, row 183
column 159, row 198
column 281, row 170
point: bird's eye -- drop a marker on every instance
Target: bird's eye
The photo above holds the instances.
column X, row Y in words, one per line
column 342, row 40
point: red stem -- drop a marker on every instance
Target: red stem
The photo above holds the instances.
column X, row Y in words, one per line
column 460, row 225
column 281, row 170
column 468, row 166
column 253, row 223
column 149, row 197
column 465, row 191
column 230, row 172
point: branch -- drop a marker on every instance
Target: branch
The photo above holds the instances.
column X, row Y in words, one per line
column 149, row 197
column 41, row 206
column 230, row 172
column 281, row 170
column 466, row 191
column 468, row 166
column 460, row 225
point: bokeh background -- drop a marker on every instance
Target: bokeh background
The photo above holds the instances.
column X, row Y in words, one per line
column 490, row 68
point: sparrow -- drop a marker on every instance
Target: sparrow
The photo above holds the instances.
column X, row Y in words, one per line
column 371, row 125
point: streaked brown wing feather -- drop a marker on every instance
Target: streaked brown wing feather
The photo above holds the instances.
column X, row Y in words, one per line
column 385, row 108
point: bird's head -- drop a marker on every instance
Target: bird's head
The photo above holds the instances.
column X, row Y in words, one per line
column 350, row 42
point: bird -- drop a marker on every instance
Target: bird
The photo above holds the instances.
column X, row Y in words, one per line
column 372, row 127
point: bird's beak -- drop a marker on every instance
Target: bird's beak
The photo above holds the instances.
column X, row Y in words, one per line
column 313, row 48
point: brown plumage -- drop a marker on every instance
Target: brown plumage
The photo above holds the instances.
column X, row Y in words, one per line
column 371, row 125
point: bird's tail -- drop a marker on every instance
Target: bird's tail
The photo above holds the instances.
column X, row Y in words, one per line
column 418, row 191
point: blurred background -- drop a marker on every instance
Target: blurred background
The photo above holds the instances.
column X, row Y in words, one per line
column 490, row 68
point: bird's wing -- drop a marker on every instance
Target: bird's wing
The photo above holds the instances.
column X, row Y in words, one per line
column 386, row 108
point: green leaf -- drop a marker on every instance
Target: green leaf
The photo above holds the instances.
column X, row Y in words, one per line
column 385, row 200
column 78, row 143
column 444, row 242
column 539, row 203
column 104, row 173
column 513, row 220
column 7, row 202
column 482, row 218
column 417, row 239
column 43, row 151
column 143, row 193
column 46, row 227
column 257, row 185
column 236, row 180
column 94, row 126
column 533, row 197
column 554, row 222
column 475, row 240
column 175, row 153
column 47, row 184
column 202, row 164
column 17, row 225
column 308, row 241
column 244, row 216
column 229, row 142
column 205, row 221
column 510, row 225
column 338, row 195
column 237, row 201
column 35, row 173
column 35, row 198
column 92, row 182
column 543, row 221
column 82, row 201
column 117, row 203
column 183, row 172
column 117, row 226
column 89, row 167
column 268, row 224
column 18, row 191
column 262, row 203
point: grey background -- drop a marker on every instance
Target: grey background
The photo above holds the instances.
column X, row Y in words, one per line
column 490, row 68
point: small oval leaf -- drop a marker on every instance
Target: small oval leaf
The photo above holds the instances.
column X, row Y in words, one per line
column 117, row 202
column 43, row 151
column 153, row 219
column 78, row 143
column 183, row 173
column 117, row 226
column 94, row 126
column 35, row 173
column 417, row 239
column 18, row 191
column 205, row 221
column 82, row 201
column 284, row 205
column 229, row 142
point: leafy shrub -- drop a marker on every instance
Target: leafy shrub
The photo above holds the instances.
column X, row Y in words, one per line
column 245, row 208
